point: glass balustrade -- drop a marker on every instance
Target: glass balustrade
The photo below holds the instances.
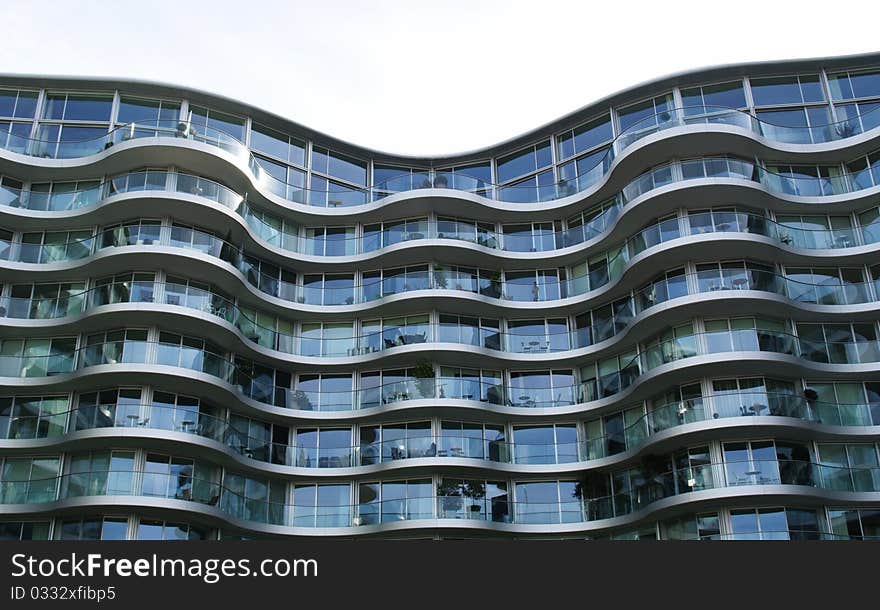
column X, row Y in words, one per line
column 644, row 490
column 529, row 288
column 649, row 487
column 737, row 404
column 528, row 391
column 268, row 229
column 665, row 417
column 340, row 195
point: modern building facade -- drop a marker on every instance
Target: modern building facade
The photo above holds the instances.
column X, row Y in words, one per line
column 656, row 317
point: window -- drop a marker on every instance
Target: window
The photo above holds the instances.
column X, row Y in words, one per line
column 278, row 145
column 839, row 343
column 541, row 335
column 273, row 229
column 482, row 233
column 169, row 411
column 339, row 166
column 681, row 405
column 529, row 237
column 603, row 322
column 388, row 386
column 389, row 442
column 666, row 286
column 583, row 138
column 739, row 334
column 387, row 333
column 535, row 285
column 322, row 505
column 116, row 346
column 393, row 179
column 135, row 287
column 77, row 107
column 587, row 225
column 648, row 114
column 662, row 230
column 30, row 479
column 849, row 467
column 755, row 396
column 24, row 530
column 767, row 462
column 211, row 121
column 324, row 448
column 855, row 523
column 547, row 502
column 108, row 408
column 542, row 388
column 673, row 344
column 261, row 382
column 382, row 235
column 713, row 98
column 131, row 233
column 254, row 499
column 854, row 85
column 471, row 384
column 331, row 241
column 45, row 301
column 328, row 288
column 15, row 136
column 55, row 246
column 155, row 113
column 165, row 530
column 815, row 231
column 524, row 162
column 108, row 528
column 482, row 332
column 324, row 393
column 472, row 499
column 844, row 403
column 549, row 444
column 391, row 501
column 32, row 416
column 473, row 440
column 100, row 473
column 779, row 90
column 58, row 196
column 826, row 286
column 181, row 478
column 774, row 524
column 385, row 282
column 37, row 357
column 18, row 104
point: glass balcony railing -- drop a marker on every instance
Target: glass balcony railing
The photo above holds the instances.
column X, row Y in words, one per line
column 205, row 424
column 733, row 405
column 529, row 288
column 790, row 534
column 644, row 490
column 656, row 354
column 268, row 229
column 528, row 391
column 649, row 487
column 340, row 195
column 833, row 291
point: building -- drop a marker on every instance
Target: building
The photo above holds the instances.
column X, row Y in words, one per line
column 654, row 317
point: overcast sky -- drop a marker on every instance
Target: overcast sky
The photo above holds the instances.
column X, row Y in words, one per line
column 419, row 77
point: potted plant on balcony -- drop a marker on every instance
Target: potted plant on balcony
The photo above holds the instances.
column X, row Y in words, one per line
column 475, row 491
column 423, row 372
column 450, row 493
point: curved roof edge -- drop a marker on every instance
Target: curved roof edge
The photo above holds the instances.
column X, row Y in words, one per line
column 571, row 119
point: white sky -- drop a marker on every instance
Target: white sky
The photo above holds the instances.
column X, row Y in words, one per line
column 416, row 77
